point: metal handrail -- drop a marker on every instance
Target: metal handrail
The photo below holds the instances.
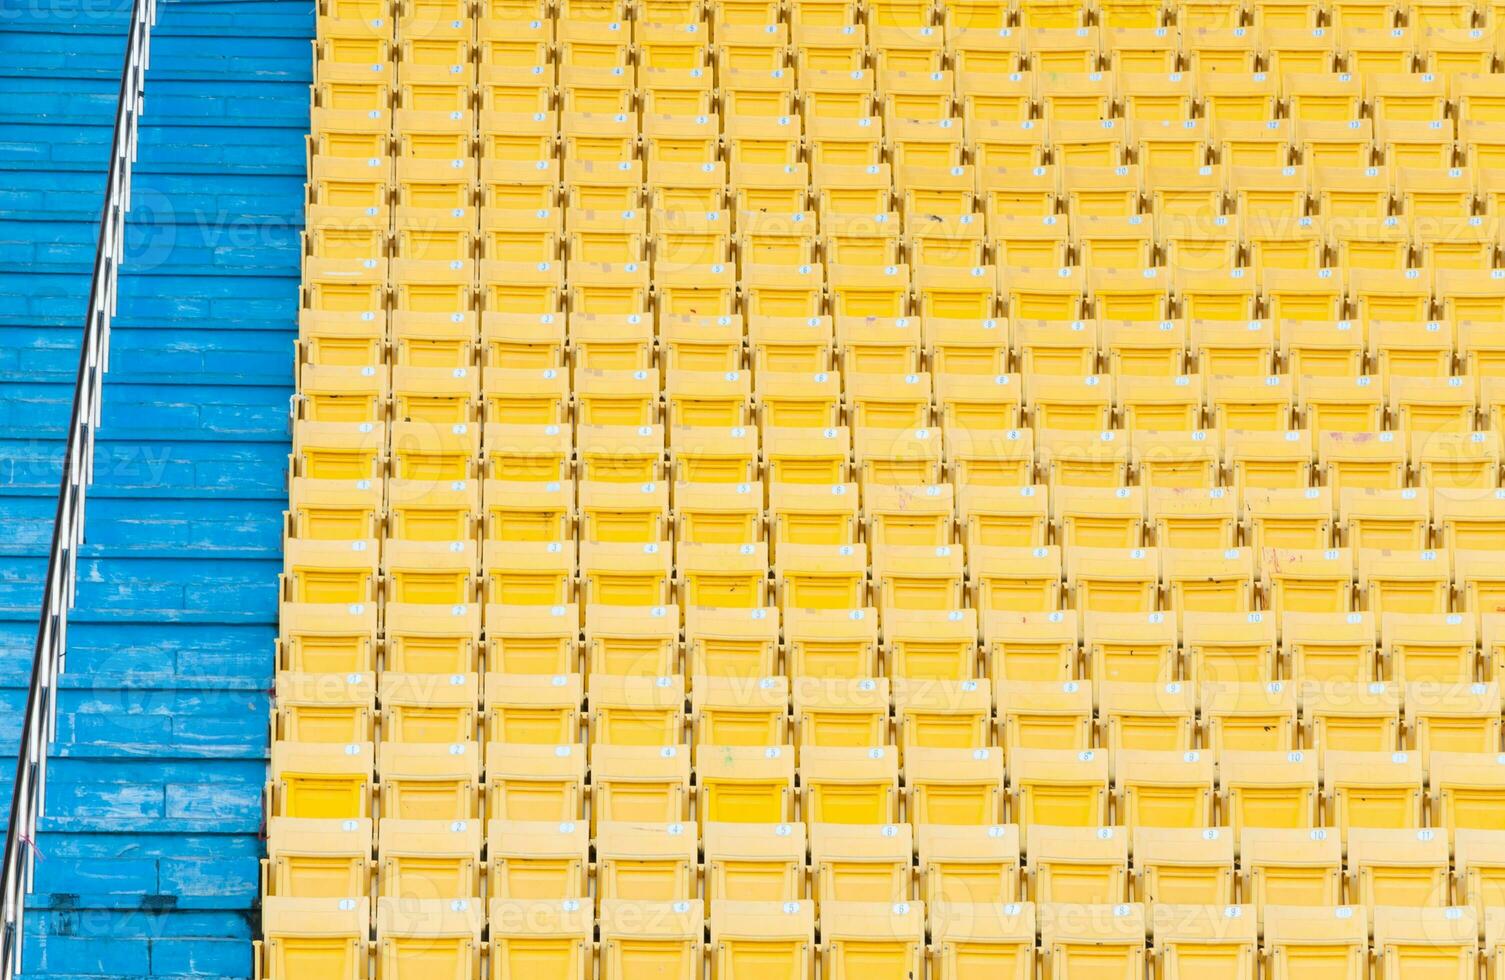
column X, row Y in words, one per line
column 39, row 722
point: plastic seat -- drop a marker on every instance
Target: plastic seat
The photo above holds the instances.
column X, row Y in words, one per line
column 848, row 785
column 1478, row 876
column 1145, row 348
column 1176, row 458
column 1024, row 187
column 726, row 712
column 1348, row 717
column 754, row 862
column 310, row 859
column 1290, row 867
column 1058, row 787
column 639, row 783
column 1269, row 789
column 339, row 711
column 529, row 573
column 958, row 786
column 745, row 784
column 839, row 713
column 1466, row 791
column 999, row 943
column 853, row 863
column 1429, row 647
column 1147, row 717
column 1404, row 582
column 414, row 710
column 1259, row 461
column 1373, row 789
column 1100, row 517
column 1189, row 939
column 1183, row 866
column 535, row 782
column 1193, row 518
column 1079, row 866
column 886, row 940
column 758, row 939
column 627, row 640
column 1426, row 942
column 1225, row 349
column 1001, row 459
column 1097, row 186
column 1331, row 646
column 731, row 643
column 628, row 710
column 646, row 862
column 430, row 572
column 1093, row 940
column 832, row 643
column 1456, row 717
column 1052, row 715
column 422, row 862
column 1331, row 941
column 417, row 642
column 1113, row 580
column 539, row 709
column 1259, row 146
column 664, row 938
column 968, row 865
column 315, row 937
column 430, row 781
column 1164, row 788
column 533, row 935
column 1273, row 190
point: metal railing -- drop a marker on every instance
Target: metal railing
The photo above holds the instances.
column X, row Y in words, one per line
column 38, row 725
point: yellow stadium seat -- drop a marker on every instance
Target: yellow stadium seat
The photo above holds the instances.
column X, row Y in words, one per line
column 883, row 939
column 1260, row 461
column 528, row 936
column 623, row 639
column 731, row 643
column 758, row 939
column 1000, row 942
column 535, row 782
column 318, row 858
column 754, row 862
column 1429, row 647
column 312, row 937
column 419, row 642
column 1373, row 789
column 832, row 643
column 533, row 573
column 745, row 784
column 1164, row 789
column 1079, row 865
column 853, row 863
column 1192, row 517
column 1348, row 717
column 1290, row 867
column 533, row 709
column 1468, row 520
column 1183, row 866
column 1147, row 348
column 1055, row 715
column 729, row 711
column 1030, row 646
column 639, row 783
column 1457, row 717
column 701, row 343
column 1219, row 939
column 848, row 785
column 430, row 781
column 1093, row 940
column 954, row 785
column 646, row 862
column 1466, row 790
column 968, row 865
column 527, row 511
column 1099, row 517
column 662, row 938
column 1478, row 869
column 1429, row 942
column 1405, row 582
column 1269, row 789
column 1019, row 188
column 430, row 572
column 1147, row 717
column 636, row 710
column 423, row 708
column 1398, row 868
column 1331, row 646
column 839, row 713
column 1265, row 189
column 1329, row 941
column 425, row 862
column 1114, row 580
column 1058, row 787
column 1260, row 146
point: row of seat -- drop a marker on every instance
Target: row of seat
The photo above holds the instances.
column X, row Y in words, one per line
column 936, row 863
column 1112, row 14
column 1411, row 395
column 758, row 940
column 853, row 785
column 529, row 709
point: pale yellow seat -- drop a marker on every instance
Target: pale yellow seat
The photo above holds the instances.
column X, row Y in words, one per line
column 535, row 782
column 635, row 710
column 969, row 865
column 1183, row 866
column 962, row 786
column 1237, row 648
column 726, row 710
column 886, row 940
column 536, row 861
column 1015, row 578
column 1129, row 647
column 841, row 713
column 1325, row 646
column 1342, row 716
column 762, row 939
column 942, row 714
column 1479, row 874
column 1290, row 867
column 849, row 785
column 1038, row 646
column 1467, row 791
column 1426, row 942
column 1200, row 940
column 1188, row 517
column 664, row 939
column 1398, row 868
column 1035, row 714
column 422, row 861
column 634, row 783
column 1405, row 582
column 1250, row 717
column 857, row 863
column 315, row 937
column 832, row 643
column 430, row 781
column 310, row 858
column 1093, row 940
column 754, row 862
column 1436, row 648
column 1058, row 787
column 1164, row 788
column 998, row 943
column 528, row 937
column 647, row 862
column 1079, row 865
column 1308, row 581
column 1269, row 789
column 1373, row 789
column 1328, row 941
